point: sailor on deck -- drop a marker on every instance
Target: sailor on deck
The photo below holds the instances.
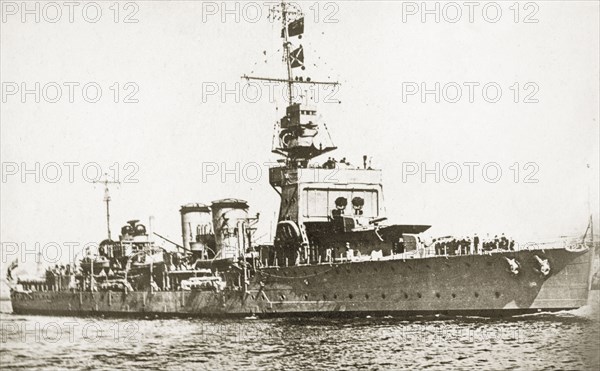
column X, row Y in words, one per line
column 349, row 251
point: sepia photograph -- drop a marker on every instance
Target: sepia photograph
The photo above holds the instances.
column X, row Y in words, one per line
column 299, row 185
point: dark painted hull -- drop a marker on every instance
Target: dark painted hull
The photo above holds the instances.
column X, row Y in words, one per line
column 473, row 285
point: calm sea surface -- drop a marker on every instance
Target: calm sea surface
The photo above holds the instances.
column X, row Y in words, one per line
column 566, row 340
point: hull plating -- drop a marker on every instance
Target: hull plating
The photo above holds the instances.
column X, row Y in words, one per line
column 473, row 284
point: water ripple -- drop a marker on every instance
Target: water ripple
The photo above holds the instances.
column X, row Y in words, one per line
column 563, row 340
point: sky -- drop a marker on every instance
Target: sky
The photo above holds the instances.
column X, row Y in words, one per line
column 173, row 123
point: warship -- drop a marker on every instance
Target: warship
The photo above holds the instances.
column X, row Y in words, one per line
column 333, row 253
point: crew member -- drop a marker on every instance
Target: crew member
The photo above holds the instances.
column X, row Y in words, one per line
column 503, row 242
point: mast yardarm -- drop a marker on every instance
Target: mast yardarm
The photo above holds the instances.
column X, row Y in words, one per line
column 300, row 136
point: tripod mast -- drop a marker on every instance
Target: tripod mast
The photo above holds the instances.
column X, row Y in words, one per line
column 106, row 182
column 286, row 49
column 299, row 130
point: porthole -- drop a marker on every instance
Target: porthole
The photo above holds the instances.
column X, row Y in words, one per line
column 350, row 296
column 437, row 295
column 497, row 294
column 306, row 297
column 324, row 297
column 383, row 296
column 419, row 295
column 335, row 296
column 367, row 296
column 476, row 294
column 405, row 296
column 453, row 295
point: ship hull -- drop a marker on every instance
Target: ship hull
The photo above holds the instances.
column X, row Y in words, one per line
column 471, row 285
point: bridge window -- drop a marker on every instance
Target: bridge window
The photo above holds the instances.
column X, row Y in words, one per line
column 316, row 203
